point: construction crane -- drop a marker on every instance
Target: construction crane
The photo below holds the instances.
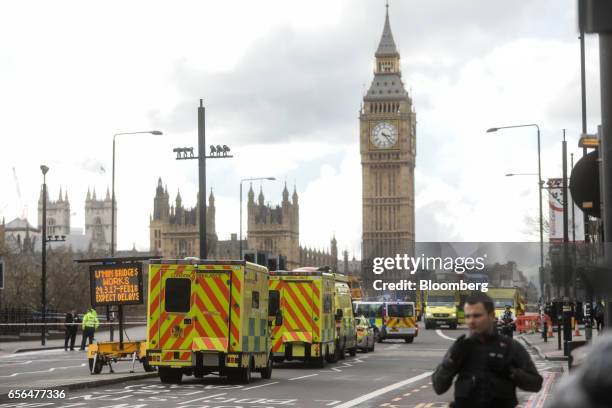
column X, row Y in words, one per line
column 24, row 208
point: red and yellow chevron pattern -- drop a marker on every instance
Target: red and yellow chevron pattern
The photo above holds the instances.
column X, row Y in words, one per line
column 400, row 322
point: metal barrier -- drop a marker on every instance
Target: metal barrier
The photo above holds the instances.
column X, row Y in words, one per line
column 12, row 321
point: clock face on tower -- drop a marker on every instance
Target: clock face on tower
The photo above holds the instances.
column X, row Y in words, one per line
column 384, row 135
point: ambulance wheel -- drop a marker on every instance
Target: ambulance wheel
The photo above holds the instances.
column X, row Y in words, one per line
column 409, row 339
column 169, row 375
column 318, row 362
column 266, row 373
column 333, row 358
column 147, row 367
column 342, row 354
column 244, row 376
column 353, row 351
column 453, row 326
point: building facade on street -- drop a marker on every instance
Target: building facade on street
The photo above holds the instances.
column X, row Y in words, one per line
column 174, row 229
column 388, row 154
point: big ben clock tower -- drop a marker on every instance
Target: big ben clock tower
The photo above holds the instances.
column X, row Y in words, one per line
column 388, row 152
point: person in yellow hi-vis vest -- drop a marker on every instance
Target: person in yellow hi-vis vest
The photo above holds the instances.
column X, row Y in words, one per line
column 90, row 324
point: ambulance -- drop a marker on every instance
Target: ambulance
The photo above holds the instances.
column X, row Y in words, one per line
column 207, row 316
column 310, row 322
column 346, row 327
column 391, row 319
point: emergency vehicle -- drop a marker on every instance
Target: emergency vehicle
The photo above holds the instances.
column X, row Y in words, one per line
column 303, row 325
column 208, row 316
column 503, row 297
column 391, row 320
column 441, row 308
column 310, row 319
column 346, row 329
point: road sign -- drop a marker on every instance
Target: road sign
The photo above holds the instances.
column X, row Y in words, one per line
column 117, row 284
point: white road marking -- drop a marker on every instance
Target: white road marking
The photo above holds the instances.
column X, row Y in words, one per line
column 357, row 401
column 444, row 336
column 329, row 402
column 30, row 353
column 50, row 370
column 198, row 399
column 15, row 363
column 262, row 385
column 337, row 369
column 303, row 376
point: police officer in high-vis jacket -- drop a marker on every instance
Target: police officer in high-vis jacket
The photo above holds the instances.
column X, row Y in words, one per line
column 90, row 324
column 488, row 365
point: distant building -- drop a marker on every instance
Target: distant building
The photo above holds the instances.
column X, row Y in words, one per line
column 98, row 216
column 58, row 214
column 19, row 235
column 505, row 276
column 276, row 230
column 174, row 229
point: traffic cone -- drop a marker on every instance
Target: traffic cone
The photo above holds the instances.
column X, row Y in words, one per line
column 576, row 329
column 550, row 331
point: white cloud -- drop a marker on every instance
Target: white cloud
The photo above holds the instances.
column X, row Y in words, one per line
column 73, row 74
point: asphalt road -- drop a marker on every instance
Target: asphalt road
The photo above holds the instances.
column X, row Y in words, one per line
column 395, row 375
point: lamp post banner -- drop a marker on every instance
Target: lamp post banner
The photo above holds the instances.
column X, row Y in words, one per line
column 555, row 211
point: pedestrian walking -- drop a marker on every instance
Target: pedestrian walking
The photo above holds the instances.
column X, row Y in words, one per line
column 489, row 366
column 71, row 324
column 599, row 316
column 90, row 324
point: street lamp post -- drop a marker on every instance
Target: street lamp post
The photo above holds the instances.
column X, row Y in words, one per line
column 216, row 152
column 541, row 184
column 241, row 181
column 45, row 239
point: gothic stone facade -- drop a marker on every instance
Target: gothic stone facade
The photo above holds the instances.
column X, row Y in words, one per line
column 388, row 153
column 174, row 229
column 276, row 230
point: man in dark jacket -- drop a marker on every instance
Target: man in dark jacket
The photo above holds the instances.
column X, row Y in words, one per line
column 72, row 325
column 489, row 366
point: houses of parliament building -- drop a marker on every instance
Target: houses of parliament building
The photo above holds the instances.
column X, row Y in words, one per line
column 275, row 230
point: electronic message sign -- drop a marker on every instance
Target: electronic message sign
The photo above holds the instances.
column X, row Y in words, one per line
column 116, row 284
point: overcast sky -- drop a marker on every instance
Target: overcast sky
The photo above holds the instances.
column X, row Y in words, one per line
column 282, row 82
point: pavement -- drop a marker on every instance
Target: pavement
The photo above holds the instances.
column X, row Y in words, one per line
column 9, row 347
column 395, row 375
column 550, row 349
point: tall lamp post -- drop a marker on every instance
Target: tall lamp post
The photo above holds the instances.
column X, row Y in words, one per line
column 216, row 152
column 541, row 184
column 241, row 181
column 152, row 132
column 45, row 239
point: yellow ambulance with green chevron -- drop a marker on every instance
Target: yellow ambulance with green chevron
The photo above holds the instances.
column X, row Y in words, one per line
column 207, row 316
